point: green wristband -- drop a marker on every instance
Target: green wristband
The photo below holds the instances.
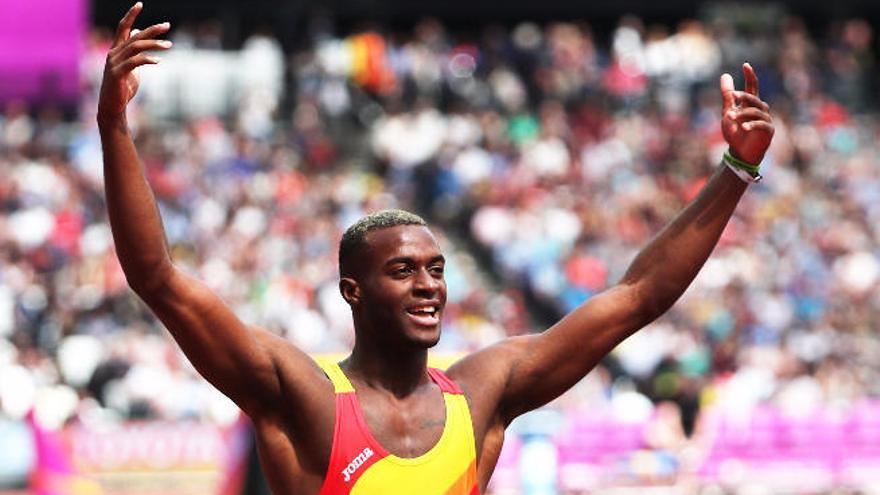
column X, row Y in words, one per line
column 736, row 162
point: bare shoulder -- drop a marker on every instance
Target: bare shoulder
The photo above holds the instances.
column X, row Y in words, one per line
column 489, row 364
column 484, row 375
column 302, row 379
column 298, row 426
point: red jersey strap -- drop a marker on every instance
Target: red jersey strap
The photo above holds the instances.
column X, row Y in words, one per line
column 444, row 382
column 354, row 449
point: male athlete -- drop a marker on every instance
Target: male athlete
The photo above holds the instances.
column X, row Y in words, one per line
column 381, row 422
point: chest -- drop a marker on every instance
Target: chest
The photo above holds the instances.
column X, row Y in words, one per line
column 406, row 428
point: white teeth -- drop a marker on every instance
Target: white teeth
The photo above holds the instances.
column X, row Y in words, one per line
column 424, row 310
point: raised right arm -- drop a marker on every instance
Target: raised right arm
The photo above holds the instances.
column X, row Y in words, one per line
column 241, row 361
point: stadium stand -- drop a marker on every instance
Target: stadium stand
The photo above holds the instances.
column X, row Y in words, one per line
column 545, row 156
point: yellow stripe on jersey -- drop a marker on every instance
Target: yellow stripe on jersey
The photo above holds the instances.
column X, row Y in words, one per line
column 449, row 468
column 341, row 384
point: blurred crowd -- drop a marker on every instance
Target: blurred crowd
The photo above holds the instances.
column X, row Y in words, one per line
column 545, row 157
column 557, row 156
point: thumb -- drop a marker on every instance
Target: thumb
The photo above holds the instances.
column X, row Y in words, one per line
column 727, row 89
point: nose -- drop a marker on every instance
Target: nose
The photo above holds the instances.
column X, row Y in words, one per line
column 426, row 282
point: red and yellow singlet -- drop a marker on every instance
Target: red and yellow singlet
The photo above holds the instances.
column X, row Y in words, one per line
column 360, row 466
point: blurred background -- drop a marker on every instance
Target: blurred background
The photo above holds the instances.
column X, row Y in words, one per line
column 545, row 142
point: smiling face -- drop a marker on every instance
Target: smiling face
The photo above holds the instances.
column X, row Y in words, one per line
column 398, row 294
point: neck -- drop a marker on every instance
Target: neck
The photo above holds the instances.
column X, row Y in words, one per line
column 398, row 371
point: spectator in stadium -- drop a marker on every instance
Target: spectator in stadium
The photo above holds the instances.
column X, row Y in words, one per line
column 314, row 433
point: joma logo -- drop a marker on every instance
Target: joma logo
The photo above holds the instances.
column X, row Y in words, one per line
column 356, row 463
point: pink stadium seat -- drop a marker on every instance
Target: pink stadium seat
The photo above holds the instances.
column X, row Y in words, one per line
column 829, row 446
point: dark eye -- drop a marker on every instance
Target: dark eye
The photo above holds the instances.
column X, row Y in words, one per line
column 437, row 269
column 402, row 271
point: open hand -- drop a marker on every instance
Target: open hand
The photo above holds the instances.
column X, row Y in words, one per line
column 745, row 121
column 120, row 82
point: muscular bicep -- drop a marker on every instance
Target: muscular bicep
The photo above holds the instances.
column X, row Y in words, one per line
column 545, row 365
column 234, row 357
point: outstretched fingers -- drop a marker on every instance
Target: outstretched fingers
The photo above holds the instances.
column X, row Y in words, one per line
column 750, row 111
column 746, row 122
column 131, row 49
column 731, row 97
column 150, row 32
column 130, row 53
column 727, row 91
column 134, row 62
column 137, row 47
column 123, row 30
column 751, row 79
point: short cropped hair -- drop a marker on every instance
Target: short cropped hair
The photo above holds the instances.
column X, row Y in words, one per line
column 354, row 238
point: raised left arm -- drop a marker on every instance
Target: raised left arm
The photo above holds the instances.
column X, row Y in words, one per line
column 538, row 368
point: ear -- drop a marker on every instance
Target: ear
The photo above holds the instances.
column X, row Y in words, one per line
column 350, row 290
